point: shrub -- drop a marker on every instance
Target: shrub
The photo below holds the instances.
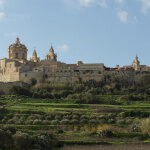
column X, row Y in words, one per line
column 58, row 117
column 74, row 121
column 65, row 122
column 66, row 117
column 29, row 122
column 93, row 121
column 83, row 121
column 75, row 117
column 120, row 121
column 18, row 90
column 33, row 81
column 46, row 122
column 4, row 121
column 45, row 141
column 105, row 133
column 102, row 117
column 6, row 141
column 111, row 121
column 102, row 121
column 37, row 122
column 55, row 122
column 48, row 118
column 83, row 117
column 10, row 121
column 22, row 140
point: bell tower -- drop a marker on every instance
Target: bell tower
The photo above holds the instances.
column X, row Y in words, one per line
column 34, row 57
column 51, row 55
column 136, row 63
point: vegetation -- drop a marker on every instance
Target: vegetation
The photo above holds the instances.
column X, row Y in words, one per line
column 91, row 112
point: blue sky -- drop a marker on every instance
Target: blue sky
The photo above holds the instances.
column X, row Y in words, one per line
column 93, row 31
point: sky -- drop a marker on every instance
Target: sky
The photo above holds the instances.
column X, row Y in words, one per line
column 93, row 31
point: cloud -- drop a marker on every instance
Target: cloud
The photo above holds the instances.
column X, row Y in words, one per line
column 85, row 3
column 2, row 14
column 122, row 15
column 119, row 1
column 63, row 48
column 145, row 6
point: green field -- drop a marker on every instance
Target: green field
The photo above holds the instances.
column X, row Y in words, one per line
column 73, row 123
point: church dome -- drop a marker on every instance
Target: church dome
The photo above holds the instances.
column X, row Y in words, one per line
column 17, row 50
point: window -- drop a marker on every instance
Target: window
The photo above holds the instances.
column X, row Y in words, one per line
column 52, row 70
column 25, row 75
column 23, row 56
column 99, row 72
column 69, row 67
column 92, row 72
column 61, row 67
column 46, row 70
column 84, row 72
column 67, row 76
column 16, row 55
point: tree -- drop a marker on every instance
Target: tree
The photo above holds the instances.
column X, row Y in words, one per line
column 33, row 81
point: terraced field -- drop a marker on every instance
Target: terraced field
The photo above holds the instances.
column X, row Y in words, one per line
column 78, row 124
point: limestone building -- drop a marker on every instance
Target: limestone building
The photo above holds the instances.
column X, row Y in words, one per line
column 17, row 68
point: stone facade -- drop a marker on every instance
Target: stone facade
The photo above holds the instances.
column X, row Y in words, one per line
column 18, row 68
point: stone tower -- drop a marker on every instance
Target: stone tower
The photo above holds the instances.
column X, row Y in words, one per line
column 17, row 51
column 136, row 63
column 34, row 57
column 51, row 55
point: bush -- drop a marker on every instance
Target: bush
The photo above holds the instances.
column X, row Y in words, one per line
column 111, row 121
column 18, row 90
column 29, row 122
column 10, row 121
column 75, row 117
column 102, row 121
column 84, row 121
column 93, row 121
column 33, row 81
column 45, row 141
column 37, row 122
column 58, row 117
column 22, row 140
column 105, row 133
column 74, row 121
column 46, row 122
column 6, row 141
column 65, row 122
column 83, row 117
column 55, row 122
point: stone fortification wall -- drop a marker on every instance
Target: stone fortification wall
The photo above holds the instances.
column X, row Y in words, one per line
column 5, row 86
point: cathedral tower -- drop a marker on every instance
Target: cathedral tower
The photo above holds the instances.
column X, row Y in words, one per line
column 17, row 51
column 51, row 55
column 34, row 57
